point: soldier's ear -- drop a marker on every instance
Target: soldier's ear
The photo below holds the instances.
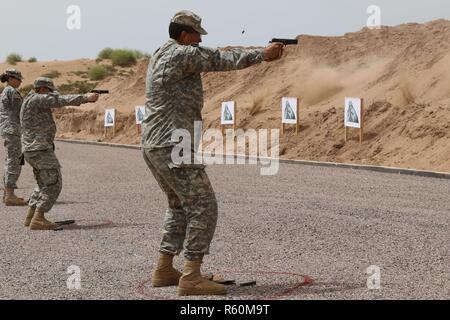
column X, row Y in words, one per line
column 183, row 36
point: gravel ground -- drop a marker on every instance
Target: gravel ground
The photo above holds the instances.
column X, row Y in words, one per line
column 330, row 224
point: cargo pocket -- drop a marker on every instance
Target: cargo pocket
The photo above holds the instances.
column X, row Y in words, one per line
column 184, row 180
column 192, row 181
column 49, row 177
column 198, row 225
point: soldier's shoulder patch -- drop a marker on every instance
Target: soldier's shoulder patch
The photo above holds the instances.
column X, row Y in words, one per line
column 8, row 90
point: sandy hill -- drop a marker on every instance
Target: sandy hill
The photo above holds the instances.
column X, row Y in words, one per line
column 402, row 73
column 69, row 70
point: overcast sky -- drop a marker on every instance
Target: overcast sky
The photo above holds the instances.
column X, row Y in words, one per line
column 38, row 28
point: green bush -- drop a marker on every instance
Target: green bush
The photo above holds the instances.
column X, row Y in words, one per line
column 32, row 60
column 105, row 54
column 1, row 89
column 123, row 58
column 97, row 73
column 82, row 74
column 80, row 87
column 13, row 58
column 111, row 69
column 26, row 89
column 138, row 54
column 123, row 73
column 52, row 74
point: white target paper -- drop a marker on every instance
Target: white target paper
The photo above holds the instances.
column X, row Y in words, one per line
column 289, row 110
column 110, row 117
column 352, row 112
column 227, row 115
column 140, row 114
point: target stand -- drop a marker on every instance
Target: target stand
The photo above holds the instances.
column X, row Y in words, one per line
column 354, row 117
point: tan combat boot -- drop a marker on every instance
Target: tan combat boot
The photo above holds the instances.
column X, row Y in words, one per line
column 10, row 199
column 165, row 274
column 40, row 223
column 30, row 216
column 193, row 284
column 4, row 194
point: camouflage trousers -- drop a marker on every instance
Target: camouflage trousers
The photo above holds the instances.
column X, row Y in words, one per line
column 47, row 172
column 13, row 148
column 191, row 217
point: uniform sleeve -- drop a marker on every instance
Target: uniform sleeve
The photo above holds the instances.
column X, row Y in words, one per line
column 203, row 59
column 50, row 101
column 6, row 98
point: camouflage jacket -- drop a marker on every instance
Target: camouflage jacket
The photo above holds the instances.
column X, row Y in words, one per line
column 36, row 118
column 174, row 89
column 10, row 103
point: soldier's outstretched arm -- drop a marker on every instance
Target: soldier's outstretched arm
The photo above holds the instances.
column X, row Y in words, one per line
column 203, row 59
column 59, row 101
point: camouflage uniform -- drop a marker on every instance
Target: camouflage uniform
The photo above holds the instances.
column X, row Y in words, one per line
column 174, row 101
column 38, row 134
column 10, row 103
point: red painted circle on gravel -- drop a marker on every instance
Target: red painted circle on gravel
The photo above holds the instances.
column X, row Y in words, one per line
column 302, row 281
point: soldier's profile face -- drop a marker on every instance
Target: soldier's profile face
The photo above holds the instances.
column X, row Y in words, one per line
column 190, row 38
column 14, row 82
column 44, row 90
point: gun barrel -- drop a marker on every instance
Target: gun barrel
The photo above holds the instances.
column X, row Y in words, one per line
column 100, row 91
column 285, row 41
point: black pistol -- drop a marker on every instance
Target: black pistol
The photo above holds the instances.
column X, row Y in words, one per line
column 286, row 42
column 100, row 91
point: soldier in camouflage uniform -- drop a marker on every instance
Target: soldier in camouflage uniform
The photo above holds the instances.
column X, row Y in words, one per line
column 10, row 104
column 38, row 134
column 174, row 101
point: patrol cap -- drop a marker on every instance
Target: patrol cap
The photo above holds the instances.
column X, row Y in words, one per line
column 190, row 19
column 44, row 82
column 14, row 73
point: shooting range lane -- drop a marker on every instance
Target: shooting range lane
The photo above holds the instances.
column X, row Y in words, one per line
column 328, row 223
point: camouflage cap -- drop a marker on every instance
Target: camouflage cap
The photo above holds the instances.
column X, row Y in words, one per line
column 14, row 73
column 190, row 19
column 44, row 82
